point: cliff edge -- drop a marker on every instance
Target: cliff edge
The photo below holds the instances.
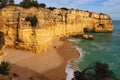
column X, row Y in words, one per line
column 34, row 29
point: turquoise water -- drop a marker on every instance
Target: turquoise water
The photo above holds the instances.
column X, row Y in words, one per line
column 105, row 48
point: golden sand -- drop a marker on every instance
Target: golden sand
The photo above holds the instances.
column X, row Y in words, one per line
column 50, row 64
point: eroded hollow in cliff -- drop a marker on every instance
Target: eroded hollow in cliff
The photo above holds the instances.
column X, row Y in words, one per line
column 85, row 29
column 100, row 25
column 33, row 20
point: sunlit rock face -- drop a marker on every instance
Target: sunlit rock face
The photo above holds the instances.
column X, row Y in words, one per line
column 47, row 26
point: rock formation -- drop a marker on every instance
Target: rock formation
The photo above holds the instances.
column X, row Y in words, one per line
column 21, row 32
column 86, row 36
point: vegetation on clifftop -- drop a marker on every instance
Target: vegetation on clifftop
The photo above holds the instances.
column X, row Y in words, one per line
column 31, row 3
column 23, row 3
column 26, row 4
column 4, row 3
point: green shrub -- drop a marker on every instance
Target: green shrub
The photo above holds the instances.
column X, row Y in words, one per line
column 4, row 68
column 29, row 3
column 42, row 5
column 64, row 8
column 26, row 4
column 51, row 8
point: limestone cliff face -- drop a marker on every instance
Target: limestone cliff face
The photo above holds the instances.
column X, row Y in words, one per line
column 51, row 26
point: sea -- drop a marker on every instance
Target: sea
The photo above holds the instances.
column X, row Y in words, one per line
column 104, row 48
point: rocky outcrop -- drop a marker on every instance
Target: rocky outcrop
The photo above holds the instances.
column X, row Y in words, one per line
column 86, row 36
column 2, row 45
column 2, row 40
column 51, row 25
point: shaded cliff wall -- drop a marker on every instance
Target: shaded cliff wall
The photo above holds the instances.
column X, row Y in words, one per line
column 50, row 27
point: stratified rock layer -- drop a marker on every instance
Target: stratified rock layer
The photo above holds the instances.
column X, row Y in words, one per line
column 51, row 26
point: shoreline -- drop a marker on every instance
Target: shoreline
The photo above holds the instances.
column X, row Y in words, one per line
column 69, row 52
column 72, row 64
column 51, row 64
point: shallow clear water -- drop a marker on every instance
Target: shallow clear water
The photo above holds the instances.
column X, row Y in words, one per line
column 105, row 48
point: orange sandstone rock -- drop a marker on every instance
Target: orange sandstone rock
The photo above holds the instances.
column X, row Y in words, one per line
column 51, row 26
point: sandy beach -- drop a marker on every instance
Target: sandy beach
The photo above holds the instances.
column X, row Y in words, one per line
column 48, row 65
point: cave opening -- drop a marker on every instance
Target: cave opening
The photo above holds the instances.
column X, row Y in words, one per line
column 85, row 29
column 101, row 25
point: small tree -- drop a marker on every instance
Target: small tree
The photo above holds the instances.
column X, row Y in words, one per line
column 26, row 3
column 11, row 2
column 3, row 3
column 51, row 8
column 42, row 5
column 4, row 68
column 29, row 3
column 99, row 71
column 64, row 8
column 35, row 3
column 102, row 71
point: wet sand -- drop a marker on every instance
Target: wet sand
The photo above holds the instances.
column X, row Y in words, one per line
column 49, row 64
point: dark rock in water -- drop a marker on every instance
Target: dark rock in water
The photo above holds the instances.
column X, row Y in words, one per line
column 86, row 36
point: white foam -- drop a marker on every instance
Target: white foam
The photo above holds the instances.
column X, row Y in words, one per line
column 72, row 65
column 74, row 40
column 80, row 52
column 69, row 71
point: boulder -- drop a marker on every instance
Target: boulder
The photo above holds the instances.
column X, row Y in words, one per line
column 86, row 36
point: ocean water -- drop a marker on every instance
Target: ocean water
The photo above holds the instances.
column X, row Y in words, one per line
column 105, row 48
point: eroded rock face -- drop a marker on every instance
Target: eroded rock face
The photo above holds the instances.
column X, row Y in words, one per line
column 2, row 40
column 51, row 25
column 2, row 45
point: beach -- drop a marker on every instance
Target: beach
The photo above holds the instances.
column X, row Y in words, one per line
column 48, row 65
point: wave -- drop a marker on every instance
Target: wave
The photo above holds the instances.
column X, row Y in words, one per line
column 72, row 65
column 100, row 46
column 74, row 40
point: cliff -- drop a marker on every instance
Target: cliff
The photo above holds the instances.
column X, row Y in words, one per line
column 19, row 31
